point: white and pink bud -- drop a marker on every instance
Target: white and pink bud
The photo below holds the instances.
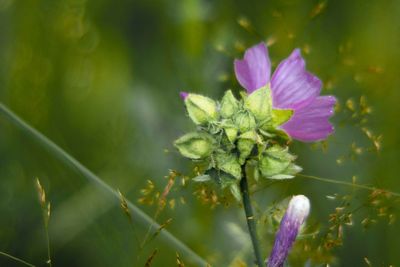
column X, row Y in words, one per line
column 295, row 216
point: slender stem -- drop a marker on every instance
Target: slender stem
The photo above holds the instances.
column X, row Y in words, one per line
column 347, row 184
column 70, row 161
column 16, row 259
column 244, row 188
column 49, row 262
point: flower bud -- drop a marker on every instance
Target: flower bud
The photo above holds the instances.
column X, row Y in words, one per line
column 296, row 214
column 245, row 121
column 195, row 145
column 228, row 163
column 277, row 163
column 229, row 105
column 246, row 144
column 259, row 103
column 231, row 133
column 201, row 109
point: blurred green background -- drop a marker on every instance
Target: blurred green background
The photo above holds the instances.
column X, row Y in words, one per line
column 102, row 80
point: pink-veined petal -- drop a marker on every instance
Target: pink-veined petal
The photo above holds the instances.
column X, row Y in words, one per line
column 311, row 123
column 254, row 70
column 292, row 86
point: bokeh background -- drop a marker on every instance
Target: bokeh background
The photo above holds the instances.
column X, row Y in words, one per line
column 102, row 79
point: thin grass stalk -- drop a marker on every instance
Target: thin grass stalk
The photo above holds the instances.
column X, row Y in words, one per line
column 16, row 259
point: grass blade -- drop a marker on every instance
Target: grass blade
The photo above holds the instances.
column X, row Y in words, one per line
column 70, row 161
column 16, row 259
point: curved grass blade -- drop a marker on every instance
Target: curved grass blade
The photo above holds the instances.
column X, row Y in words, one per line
column 16, row 259
column 86, row 173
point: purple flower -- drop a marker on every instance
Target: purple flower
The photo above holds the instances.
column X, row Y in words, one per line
column 296, row 214
column 292, row 87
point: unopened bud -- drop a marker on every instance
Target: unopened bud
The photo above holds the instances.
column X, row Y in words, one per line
column 296, row 214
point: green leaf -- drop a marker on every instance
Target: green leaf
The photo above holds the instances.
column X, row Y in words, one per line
column 280, row 116
column 245, row 121
column 195, row 145
column 259, row 103
column 201, row 109
column 228, row 163
column 229, row 105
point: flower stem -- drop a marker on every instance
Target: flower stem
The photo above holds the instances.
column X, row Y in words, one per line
column 244, row 188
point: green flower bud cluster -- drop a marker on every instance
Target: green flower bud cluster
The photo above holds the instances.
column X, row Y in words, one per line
column 232, row 133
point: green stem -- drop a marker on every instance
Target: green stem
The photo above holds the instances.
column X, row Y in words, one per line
column 16, row 259
column 347, row 184
column 49, row 262
column 70, row 161
column 251, row 224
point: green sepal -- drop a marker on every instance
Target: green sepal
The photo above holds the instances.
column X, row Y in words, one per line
column 195, row 145
column 221, row 178
column 281, row 134
column 226, row 180
column 246, row 144
column 244, row 121
column 281, row 153
column 231, row 133
column 281, row 176
column 251, row 135
column 256, row 174
column 259, row 103
column 280, row 116
column 212, row 128
column 294, row 169
column 270, row 166
column 228, row 163
column 276, row 163
column 243, row 95
column 201, row 109
column 253, row 174
column 229, row 105
column 275, row 133
column 288, row 173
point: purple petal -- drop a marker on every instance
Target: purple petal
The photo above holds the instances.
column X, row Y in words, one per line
column 183, row 95
column 292, row 86
column 311, row 123
column 253, row 72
